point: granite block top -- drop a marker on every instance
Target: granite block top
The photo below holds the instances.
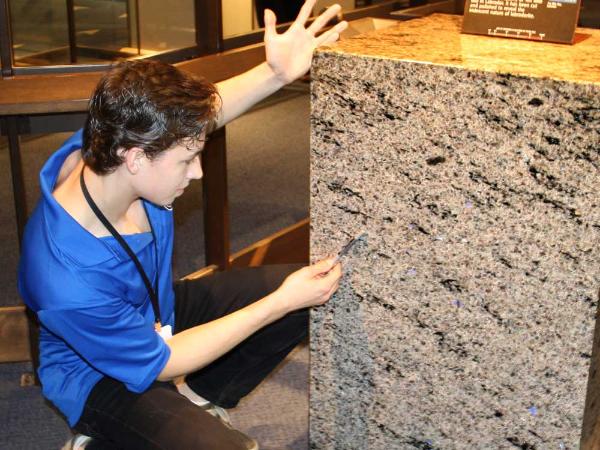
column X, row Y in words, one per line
column 437, row 39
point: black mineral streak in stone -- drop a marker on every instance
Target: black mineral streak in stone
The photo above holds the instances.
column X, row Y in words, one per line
column 451, row 285
column 338, row 187
column 519, row 444
column 354, row 212
column 535, row 102
column 505, row 262
column 378, row 301
column 418, row 443
column 421, row 229
column 545, row 179
column 479, row 178
column 443, row 343
column 552, row 140
column 351, row 193
column 570, row 257
column 583, row 115
column 535, row 434
column 570, row 211
column 499, row 319
column 590, row 301
column 436, row 160
column 441, row 212
column 585, row 156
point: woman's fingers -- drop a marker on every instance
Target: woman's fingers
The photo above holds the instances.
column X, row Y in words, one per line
column 332, row 35
column 323, row 19
column 320, row 268
column 270, row 23
column 305, row 12
column 332, row 275
column 332, row 290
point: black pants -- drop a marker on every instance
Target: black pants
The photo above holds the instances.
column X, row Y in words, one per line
column 161, row 418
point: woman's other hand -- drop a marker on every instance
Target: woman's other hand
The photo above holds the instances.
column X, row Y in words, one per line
column 289, row 55
column 310, row 286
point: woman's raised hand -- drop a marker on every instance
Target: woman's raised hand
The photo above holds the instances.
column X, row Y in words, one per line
column 290, row 54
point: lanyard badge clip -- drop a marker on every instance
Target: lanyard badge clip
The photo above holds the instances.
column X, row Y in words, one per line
column 164, row 332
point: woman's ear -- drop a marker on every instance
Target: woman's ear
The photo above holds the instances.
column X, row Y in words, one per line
column 133, row 159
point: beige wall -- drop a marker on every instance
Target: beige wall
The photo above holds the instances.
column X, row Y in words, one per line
column 167, row 26
column 346, row 5
column 237, row 17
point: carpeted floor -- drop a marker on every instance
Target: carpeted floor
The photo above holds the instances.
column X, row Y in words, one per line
column 275, row 414
column 268, row 164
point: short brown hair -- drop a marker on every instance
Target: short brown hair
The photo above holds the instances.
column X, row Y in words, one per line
column 146, row 104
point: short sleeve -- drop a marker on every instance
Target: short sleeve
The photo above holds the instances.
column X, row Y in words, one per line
column 113, row 338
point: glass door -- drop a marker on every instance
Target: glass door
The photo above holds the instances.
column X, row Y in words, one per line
column 59, row 32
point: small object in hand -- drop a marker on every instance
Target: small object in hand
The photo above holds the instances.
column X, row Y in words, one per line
column 346, row 248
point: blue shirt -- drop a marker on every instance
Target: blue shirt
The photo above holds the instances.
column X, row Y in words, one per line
column 95, row 314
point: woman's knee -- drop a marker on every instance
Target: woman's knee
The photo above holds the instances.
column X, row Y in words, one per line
column 198, row 429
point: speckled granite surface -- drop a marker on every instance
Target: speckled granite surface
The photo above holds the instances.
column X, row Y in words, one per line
column 466, row 321
column 436, row 39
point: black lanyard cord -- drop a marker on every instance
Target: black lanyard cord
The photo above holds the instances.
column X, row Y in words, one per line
column 151, row 291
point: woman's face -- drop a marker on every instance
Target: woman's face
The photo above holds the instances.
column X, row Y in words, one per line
column 165, row 177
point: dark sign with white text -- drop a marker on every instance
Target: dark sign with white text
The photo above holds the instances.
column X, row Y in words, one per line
column 537, row 20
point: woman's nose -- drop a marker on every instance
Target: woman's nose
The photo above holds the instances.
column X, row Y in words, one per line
column 195, row 169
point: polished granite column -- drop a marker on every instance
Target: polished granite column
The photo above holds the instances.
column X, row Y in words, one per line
column 473, row 163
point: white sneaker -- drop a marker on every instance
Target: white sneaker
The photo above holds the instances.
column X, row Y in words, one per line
column 214, row 410
column 77, row 442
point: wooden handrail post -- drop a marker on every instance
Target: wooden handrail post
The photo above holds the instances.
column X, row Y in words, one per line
column 5, row 40
column 215, row 200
